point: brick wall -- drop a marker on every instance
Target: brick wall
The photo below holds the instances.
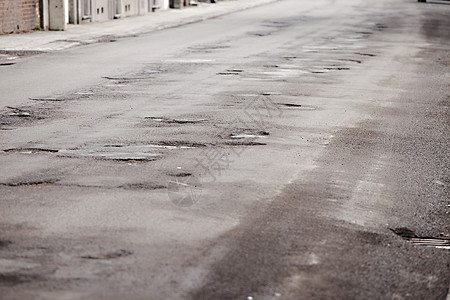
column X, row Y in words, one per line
column 18, row 15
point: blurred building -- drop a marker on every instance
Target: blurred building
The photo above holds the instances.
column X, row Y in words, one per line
column 25, row 15
column 18, row 15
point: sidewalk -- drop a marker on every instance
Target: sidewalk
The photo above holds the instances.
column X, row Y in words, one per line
column 90, row 33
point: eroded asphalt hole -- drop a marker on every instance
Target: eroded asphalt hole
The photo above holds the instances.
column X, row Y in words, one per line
column 297, row 106
column 21, row 52
column 30, row 150
column 46, row 99
column 259, row 33
column 18, row 112
column 30, row 183
column 183, row 174
column 109, row 255
column 409, row 235
column 248, row 135
column 366, row 54
column 238, row 143
column 351, row 60
column 4, row 243
column 176, row 121
column 227, row 73
column 15, row 278
column 143, row 186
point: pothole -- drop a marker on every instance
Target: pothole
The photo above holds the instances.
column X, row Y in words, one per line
column 351, row 60
column 23, row 115
column 189, row 60
column 124, row 152
column 14, row 278
column 409, row 235
column 248, row 135
column 30, row 150
column 18, row 112
column 128, row 78
column 30, row 183
column 4, row 243
column 177, row 121
column 46, row 99
column 298, row 106
column 259, row 33
column 366, row 54
column 207, row 48
column 337, row 68
column 227, row 73
column 182, row 174
column 143, row 186
column 243, row 143
column 21, row 52
column 109, row 255
column 181, row 144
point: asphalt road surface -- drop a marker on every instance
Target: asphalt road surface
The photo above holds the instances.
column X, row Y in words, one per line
column 298, row 150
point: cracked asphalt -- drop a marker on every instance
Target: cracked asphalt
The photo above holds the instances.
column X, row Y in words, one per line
column 295, row 150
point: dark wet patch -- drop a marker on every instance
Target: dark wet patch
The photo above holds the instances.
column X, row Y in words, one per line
column 371, row 238
column 14, row 278
column 109, row 255
column 435, row 27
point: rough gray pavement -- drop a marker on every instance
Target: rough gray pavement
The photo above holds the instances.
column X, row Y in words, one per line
column 297, row 150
